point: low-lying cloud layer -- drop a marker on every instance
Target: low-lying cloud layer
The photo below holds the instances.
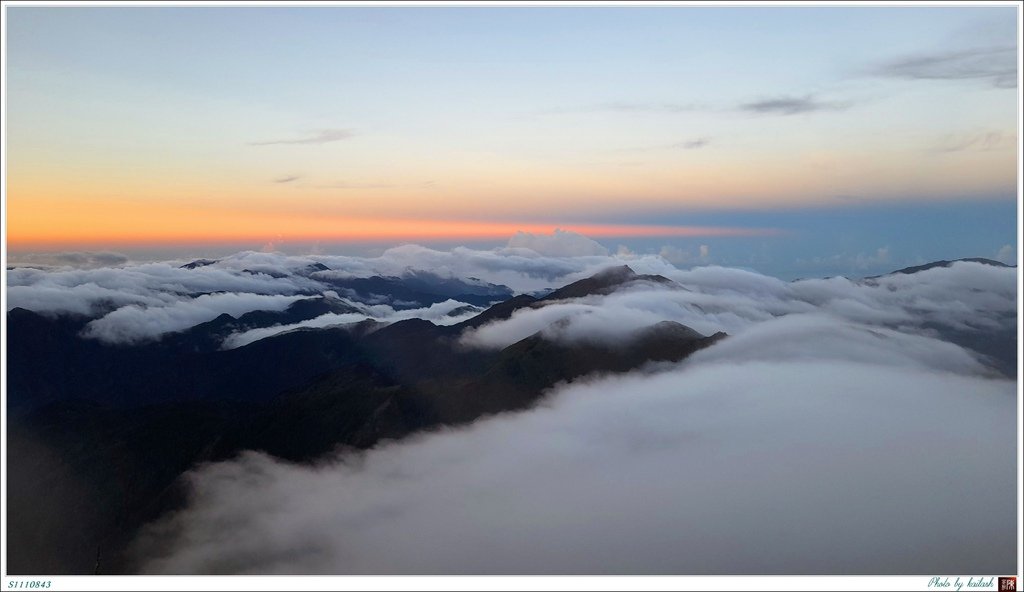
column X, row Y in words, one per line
column 448, row 312
column 799, row 466
column 965, row 296
column 138, row 323
column 142, row 302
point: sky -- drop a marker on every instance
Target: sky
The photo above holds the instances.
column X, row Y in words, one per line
column 795, row 141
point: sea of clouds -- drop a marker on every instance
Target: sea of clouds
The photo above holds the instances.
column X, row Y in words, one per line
column 813, row 466
column 833, row 432
column 135, row 303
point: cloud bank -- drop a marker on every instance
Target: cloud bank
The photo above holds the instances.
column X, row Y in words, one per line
column 142, row 302
column 134, row 303
column 831, row 433
column 134, row 323
column 964, row 297
column 790, row 106
column 801, row 466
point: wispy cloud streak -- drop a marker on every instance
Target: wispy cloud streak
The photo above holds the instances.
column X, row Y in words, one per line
column 319, row 137
column 996, row 65
column 791, row 106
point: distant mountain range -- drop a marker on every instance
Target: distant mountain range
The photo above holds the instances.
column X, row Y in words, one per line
column 413, row 289
column 943, row 263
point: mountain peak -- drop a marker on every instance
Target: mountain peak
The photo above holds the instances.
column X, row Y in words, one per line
column 199, row 263
column 313, row 268
column 620, row 273
column 605, row 281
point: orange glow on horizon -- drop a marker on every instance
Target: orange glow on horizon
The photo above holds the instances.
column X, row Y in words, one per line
column 356, row 230
column 115, row 224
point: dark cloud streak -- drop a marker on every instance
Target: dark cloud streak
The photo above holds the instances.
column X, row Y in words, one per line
column 997, row 65
column 791, row 106
column 693, row 144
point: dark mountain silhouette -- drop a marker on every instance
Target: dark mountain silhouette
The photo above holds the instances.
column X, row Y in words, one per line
column 315, row 267
column 102, row 433
column 198, row 263
column 942, row 263
column 270, row 272
column 49, row 361
column 500, row 311
column 605, row 282
column 210, row 335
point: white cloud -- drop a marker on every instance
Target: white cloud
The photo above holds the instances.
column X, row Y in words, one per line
column 242, row 338
column 521, row 269
column 87, row 291
column 683, row 257
column 134, row 323
column 801, row 337
column 94, row 291
column 797, row 466
column 965, row 296
column 675, row 255
column 439, row 314
column 1007, row 254
column 81, row 299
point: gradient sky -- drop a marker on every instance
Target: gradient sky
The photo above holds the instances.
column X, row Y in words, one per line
column 803, row 133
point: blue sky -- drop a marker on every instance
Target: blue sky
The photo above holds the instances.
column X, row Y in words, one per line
column 853, row 129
